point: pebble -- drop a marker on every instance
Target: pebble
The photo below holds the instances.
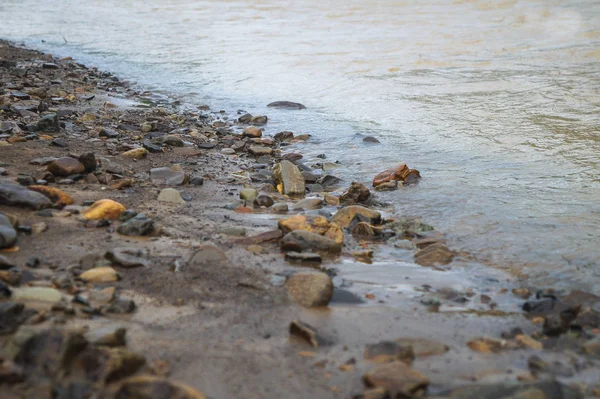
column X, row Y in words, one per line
column 100, row 275
column 228, row 151
column 197, row 181
column 264, row 200
column 248, row 194
column 136, row 153
column 171, row 196
column 104, row 209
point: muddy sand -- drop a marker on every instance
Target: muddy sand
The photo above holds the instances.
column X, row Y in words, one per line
column 210, row 291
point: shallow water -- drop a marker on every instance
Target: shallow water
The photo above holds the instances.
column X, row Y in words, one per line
column 498, row 105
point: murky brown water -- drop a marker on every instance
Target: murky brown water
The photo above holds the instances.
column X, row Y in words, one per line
column 496, row 103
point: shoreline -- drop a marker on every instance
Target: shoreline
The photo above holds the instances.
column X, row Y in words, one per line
column 207, row 267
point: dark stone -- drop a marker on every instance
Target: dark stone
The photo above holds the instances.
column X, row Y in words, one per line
column 127, row 214
column 371, row 139
column 140, row 225
column 12, row 315
column 33, row 262
column 111, row 134
column 88, row 160
column 5, row 291
column 197, row 181
column 49, row 65
column 551, row 389
column 121, row 306
column 59, row 143
column 328, row 181
column 284, row 136
column 539, row 307
column 356, row 193
column 151, row 147
column 286, row 105
column 25, row 180
column 263, row 200
column 207, row 146
column 15, row 195
column 49, row 124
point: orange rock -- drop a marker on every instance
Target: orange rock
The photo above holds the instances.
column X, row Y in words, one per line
column 104, row 209
column 58, row 197
column 16, row 139
column 243, row 209
column 121, row 184
column 399, row 173
column 318, row 225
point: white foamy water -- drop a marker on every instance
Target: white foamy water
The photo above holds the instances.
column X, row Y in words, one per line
column 496, row 103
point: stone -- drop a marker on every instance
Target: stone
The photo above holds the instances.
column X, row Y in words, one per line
column 108, row 133
column 301, row 240
column 248, row 194
column 121, row 306
column 389, row 351
column 259, row 120
column 284, row 137
column 356, row 193
column 172, row 140
column 423, row 347
column 371, row 139
column 252, row 132
column 286, row 105
column 365, row 230
column 12, row 315
column 101, row 364
column 488, row 345
column 264, row 200
column 167, row 176
column 171, row 196
column 128, row 257
column 57, row 196
column 5, row 263
column 436, row 254
column 208, row 256
column 545, row 389
column 8, row 234
column 259, row 151
column 197, row 181
column 88, row 160
column 245, row 118
column 289, row 179
column 398, row 379
column 149, row 387
column 307, row 257
column 346, row 215
column 12, row 277
column 139, row 225
column 48, row 124
column 100, row 275
column 314, row 224
column 261, row 238
column 308, row 203
column 305, row 332
column 280, row 208
column 36, row 294
column 136, row 153
column 228, row 151
column 233, row 231
column 528, row 342
column 104, row 209
column 310, row 288
column 65, row 166
column 399, row 173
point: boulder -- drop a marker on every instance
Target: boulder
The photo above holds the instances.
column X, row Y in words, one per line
column 66, row 166
column 289, row 179
column 346, row 215
column 310, row 288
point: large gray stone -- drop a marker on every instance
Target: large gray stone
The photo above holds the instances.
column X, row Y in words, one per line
column 16, row 195
column 289, row 178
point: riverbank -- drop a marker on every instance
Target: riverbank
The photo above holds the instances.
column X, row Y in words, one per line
column 214, row 294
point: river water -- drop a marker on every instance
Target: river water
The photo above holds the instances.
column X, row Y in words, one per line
column 496, row 103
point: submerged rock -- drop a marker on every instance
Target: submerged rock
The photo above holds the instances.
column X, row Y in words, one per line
column 400, row 173
column 434, row 255
column 286, row 105
column 310, row 288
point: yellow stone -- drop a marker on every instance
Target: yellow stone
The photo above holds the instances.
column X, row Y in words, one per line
column 318, row 225
column 136, row 153
column 100, row 275
column 332, row 200
column 55, row 195
column 104, row 209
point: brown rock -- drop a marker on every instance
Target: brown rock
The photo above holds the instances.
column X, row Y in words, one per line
column 423, row 347
column 434, row 255
column 302, row 240
column 314, row 224
column 289, row 179
column 365, row 230
column 252, row 132
column 260, row 238
column 258, row 151
column 305, row 332
column 356, row 193
column 310, row 288
column 398, row 379
column 65, row 167
column 399, row 173
column 344, row 216
column 389, row 351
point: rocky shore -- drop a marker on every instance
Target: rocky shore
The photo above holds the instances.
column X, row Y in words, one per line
column 149, row 250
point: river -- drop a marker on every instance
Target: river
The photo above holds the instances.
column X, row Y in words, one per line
column 496, row 103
